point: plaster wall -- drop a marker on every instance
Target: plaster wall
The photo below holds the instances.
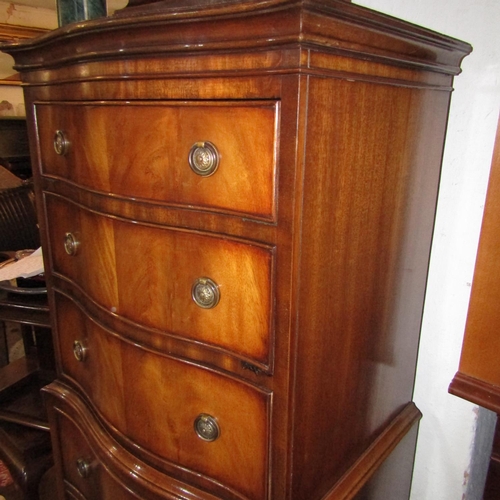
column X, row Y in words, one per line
column 24, row 15
column 451, row 428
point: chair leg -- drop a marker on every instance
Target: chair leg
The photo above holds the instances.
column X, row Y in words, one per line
column 4, row 347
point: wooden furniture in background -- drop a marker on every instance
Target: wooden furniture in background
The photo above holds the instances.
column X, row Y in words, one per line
column 18, row 221
column 11, row 32
column 238, row 201
column 25, row 445
column 14, row 147
column 478, row 376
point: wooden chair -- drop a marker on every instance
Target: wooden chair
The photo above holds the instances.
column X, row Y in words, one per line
column 18, row 222
column 24, row 432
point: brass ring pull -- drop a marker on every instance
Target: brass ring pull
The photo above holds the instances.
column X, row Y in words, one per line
column 61, row 143
column 83, row 467
column 206, row 427
column 79, row 350
column 71, row 244
column 205, row 293
column 203, row 158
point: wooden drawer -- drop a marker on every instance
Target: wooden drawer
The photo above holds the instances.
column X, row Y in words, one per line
column 83, row 474
column 155, row 400
column 141, row 151
column 146, row 274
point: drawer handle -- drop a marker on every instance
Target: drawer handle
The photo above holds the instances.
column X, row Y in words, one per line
column 79, row 350
column 206, row 427
column 84, row 468
column 205, row 293
column 61, row 143
column 203, row 158
column 71, row 244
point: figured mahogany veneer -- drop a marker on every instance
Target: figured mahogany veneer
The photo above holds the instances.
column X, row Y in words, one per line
column 244, row 134
column 137, row 396
column 329, row 122
column 150, row 283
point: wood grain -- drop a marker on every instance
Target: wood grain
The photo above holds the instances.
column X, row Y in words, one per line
column 151, row 282
column 481, row 343
column 154, row 400
column 156, row 166
column 331, row 121
column 111, row 463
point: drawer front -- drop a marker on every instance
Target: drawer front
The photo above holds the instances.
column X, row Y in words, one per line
column 165, row 278
column 158, row 401
column 143, row 151
column 83, row 474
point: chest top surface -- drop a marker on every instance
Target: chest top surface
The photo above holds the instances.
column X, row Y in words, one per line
column 204, row 27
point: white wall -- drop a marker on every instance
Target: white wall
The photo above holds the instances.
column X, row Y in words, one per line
column 447, row 429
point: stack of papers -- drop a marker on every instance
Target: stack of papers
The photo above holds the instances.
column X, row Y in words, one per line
column 24, row 268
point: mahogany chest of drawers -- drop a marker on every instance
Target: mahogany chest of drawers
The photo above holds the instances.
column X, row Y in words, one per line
column 237, row 202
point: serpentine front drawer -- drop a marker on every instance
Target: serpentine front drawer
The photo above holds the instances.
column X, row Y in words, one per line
column 174, row 411
column 205, row 288
column 216, row 156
